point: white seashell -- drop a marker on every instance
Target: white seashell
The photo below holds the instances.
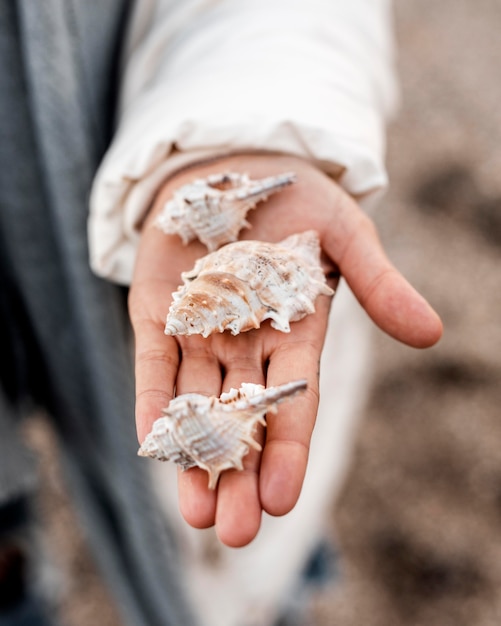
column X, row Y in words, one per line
column 246, row 282
column 213, row 209
column 214, row 433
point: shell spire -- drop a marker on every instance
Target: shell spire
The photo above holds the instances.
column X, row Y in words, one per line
column 214, row 209
column 214, row 433
column 244, row 283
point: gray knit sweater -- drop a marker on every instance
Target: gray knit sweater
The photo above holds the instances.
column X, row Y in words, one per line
column 65, row 337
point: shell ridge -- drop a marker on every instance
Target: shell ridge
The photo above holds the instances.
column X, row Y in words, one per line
column 266, row 281
column 214, row 209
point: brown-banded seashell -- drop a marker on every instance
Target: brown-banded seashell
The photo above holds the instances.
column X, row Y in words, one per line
column 214, row 433
column 244, row 283
column 213, row 209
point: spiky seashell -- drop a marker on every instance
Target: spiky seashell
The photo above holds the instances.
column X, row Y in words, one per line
column 213, row 209
column 244, row 283
column 214, row 433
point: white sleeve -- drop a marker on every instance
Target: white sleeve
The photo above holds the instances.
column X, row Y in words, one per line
column 214, row 77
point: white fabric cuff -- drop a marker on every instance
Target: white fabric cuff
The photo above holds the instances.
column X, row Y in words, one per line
column 317, row 95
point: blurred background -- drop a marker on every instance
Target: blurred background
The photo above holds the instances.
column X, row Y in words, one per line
column 419, row 518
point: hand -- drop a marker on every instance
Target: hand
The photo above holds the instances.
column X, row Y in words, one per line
column 271, row 480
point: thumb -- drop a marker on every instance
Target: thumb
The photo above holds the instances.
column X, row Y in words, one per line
column 391, row 302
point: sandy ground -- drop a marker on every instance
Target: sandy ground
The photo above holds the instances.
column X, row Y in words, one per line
column 419, row 519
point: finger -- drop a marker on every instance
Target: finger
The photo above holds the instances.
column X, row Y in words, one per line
column 156, row 372
column 392, row 303
column 199, row 372
column 197, row 503
column 285, row 457
column 238, row 513
column 156, row 363
column 156, row 355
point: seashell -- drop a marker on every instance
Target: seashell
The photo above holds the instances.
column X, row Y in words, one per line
column 244, row 283
column 213, row 209
column 214, row 433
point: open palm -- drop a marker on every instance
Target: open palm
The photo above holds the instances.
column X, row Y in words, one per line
column 271, row 480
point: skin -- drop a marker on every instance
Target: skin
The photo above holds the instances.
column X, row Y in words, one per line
column 271, row 480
